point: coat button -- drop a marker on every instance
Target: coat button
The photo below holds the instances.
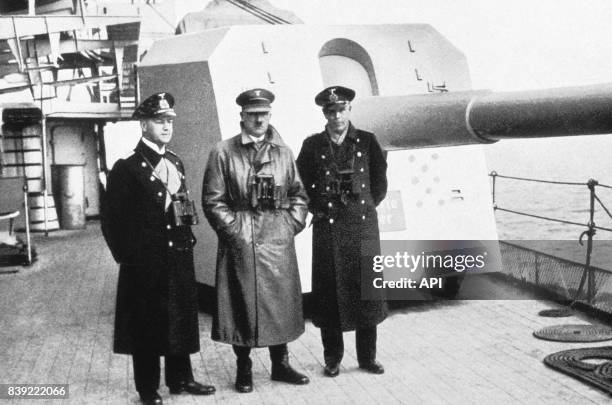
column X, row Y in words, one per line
column 363, row 186
column 313, row 186
column 327, row 188
column 170, row 244
column 152, row 178
column 361, row 170
column 327, row 173
column 322, row 156
column 143, row 164
column 363, row 201
column 358, row 139
column 363, row 217
column 168, row 226
column 329, row 204
column 358, row 154
column 331, row 220
column 159, row 194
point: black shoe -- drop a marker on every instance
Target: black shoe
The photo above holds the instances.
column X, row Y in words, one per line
column 332, row 370
column 244, row 376
column 151, row 398
column 193, row 388
column 373, row 367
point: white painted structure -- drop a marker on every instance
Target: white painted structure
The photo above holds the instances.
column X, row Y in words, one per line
column 434, row 193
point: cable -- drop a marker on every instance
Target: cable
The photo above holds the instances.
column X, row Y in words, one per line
column 603, row 206
column 262, row 15
column 562, row 221
column 161, row 15
column 541, row 181
column 265, row 12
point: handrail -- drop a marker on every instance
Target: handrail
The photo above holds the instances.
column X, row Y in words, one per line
column 562, row 221
column 588, row 275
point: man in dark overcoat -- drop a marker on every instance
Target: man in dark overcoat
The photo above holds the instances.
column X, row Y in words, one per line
column 255, row 201
column 344, row 171
column 156, row 312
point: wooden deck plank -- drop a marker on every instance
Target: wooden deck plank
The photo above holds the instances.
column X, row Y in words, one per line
column 57, row 320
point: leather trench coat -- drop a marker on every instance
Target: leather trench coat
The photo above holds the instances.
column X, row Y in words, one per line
column 156, row 308
column 345, row 232
column 258, row 292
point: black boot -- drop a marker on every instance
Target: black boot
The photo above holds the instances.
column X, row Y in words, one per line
column 244, row 376
column 281, row 370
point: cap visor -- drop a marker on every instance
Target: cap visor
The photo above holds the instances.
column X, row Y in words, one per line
column 337, row 106
column 169, row 113
column 258, row 108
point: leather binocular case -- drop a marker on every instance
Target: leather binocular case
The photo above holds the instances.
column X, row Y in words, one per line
column 183, row 210
column 340, row 185
column 264, row 193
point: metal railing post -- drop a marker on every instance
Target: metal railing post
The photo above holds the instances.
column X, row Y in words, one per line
column 493, row 174
column 590, row 233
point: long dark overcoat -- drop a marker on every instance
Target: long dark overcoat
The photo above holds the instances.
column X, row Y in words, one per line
column 259, row 297
column 156, row 294
column 342, row 229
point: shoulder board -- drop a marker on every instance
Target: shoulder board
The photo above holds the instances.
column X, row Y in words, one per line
column 315, row 135
column 170, row 152
column 128, row 155
column 361, row 131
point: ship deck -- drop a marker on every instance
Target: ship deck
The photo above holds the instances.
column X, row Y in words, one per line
column 57, row 324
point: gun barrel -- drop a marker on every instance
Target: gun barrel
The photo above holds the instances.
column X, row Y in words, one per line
column 461, row 118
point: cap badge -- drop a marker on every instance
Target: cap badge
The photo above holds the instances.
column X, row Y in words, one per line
column 257, row 93
column 333, row 97
column 163, row 103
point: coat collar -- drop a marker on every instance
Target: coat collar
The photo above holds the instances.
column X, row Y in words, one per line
column 272, row 137
column 153, row 146
column 351, row 133
column 152, row 156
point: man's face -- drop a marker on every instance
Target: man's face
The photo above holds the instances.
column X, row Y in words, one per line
column 158, row 130
column 255, row 122
column 338, row 117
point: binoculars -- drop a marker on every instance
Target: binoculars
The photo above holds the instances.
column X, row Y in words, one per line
column 183, row 210
column 264, row 193
column 341, row 185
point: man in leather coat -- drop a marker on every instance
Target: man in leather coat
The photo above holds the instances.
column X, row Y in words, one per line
column 255, row 201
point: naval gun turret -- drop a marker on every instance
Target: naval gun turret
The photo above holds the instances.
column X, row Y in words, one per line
column 413, row 91
column 472, row 117
column 478, row 117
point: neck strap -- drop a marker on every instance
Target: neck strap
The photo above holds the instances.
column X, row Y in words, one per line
column 154, row 172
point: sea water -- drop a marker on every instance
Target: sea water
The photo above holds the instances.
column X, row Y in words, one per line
column 567, row 159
